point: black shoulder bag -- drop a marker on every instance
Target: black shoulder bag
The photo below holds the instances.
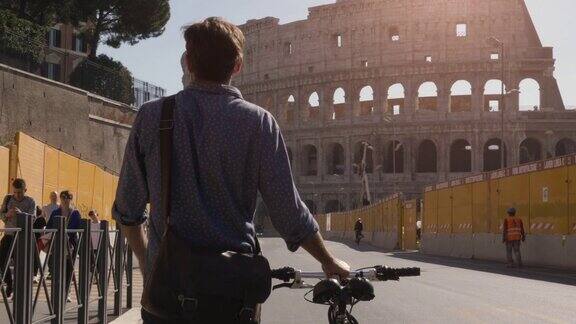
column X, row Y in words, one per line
column 181, row 276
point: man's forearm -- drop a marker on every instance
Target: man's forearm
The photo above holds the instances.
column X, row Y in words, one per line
column 315, row 246
column 137, row 241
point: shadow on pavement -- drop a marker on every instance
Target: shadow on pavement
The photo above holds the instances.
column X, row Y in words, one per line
column 560, row 276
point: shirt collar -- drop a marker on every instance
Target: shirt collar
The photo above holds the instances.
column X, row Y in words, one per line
column 216, row 88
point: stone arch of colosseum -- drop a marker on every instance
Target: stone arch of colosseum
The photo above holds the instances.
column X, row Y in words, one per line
column 427, row 99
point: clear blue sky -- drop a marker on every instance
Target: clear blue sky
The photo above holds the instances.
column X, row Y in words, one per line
column 158, row 60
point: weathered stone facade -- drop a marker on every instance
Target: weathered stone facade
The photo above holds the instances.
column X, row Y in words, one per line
column 80, row 123
column 419, row 74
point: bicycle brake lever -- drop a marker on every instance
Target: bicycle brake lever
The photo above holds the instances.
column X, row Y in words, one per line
column 282, row 285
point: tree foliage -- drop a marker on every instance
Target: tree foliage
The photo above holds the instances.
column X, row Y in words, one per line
column 21, row 38
column 106, row 77
column 114, row 22
column 41, row 12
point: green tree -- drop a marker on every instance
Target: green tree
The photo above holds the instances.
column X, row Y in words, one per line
column 113, row 22
column 106, row 77
column 41, row 12
column 20, row 38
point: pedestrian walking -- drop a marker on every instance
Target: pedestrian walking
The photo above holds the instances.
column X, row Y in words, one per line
column 16, row 204
column 39, row 224
column 512, row 234
column 72, row 219
column 203, row 189
column 52, row 206
column 94, row 236
column 358, row 228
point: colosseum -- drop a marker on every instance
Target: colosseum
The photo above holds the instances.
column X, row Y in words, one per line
column 416, row 82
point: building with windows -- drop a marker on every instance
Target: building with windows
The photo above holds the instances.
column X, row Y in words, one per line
column 417, row 81
column 65, row 49
column 144, row 92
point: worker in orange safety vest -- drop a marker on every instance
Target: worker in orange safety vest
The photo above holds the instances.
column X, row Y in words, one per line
column 512, row 234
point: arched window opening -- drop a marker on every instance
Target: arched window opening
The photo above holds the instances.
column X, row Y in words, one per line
column 314, row 104
column 311, row 206
column 428, row 96
column 333, row 206
column 529, row 95
column 395, row 103
column 394, row 158
column 461, row 96
column 359, row 149
column 335, row 159
column 366, row 101
column 565, row 146
column 493, row 150
column 339, row 100
column 461, row 156
column 427, row 157
column 530, row 151
column 309, row 160
column 290, row 109
column 493, row 95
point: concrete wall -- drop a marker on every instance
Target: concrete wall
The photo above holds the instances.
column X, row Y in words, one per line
column 539, row 250
column 77, row 122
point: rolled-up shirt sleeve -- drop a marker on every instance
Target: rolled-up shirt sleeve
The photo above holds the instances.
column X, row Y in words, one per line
column 288, row 213
column 132, row 194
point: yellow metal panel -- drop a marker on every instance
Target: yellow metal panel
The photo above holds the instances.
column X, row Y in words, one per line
column 397, row 218
column 480, row 207
column 430, row 213
column 30, row 164
column 514, row 192
column 572, row 199
column 549, row 201
column 409, row 224
column 445, row 210
column 68, row 173
column 4, row 170
column 98, row 190
column 495, row 218
column 85, row 187
column 462, row 209
column 107, row 196
column 50, row 173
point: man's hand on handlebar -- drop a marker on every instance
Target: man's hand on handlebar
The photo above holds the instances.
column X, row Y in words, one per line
column 336, row 267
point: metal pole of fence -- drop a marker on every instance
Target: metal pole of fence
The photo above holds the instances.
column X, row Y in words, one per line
column 59, row 270
column 129, row 281
column 85, row 250
column 23, row 271
column 103, row 272
column 118, row 272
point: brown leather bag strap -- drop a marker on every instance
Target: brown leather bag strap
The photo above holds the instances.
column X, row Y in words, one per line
column 166, row 136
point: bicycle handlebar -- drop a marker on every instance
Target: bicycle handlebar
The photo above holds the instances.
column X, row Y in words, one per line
column 376, row 273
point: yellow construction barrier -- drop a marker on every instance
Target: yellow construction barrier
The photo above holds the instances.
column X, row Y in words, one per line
column 543, row 193
column 409, row 218
column 46, row 169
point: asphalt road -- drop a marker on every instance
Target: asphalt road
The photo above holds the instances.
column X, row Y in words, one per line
column 448, row 291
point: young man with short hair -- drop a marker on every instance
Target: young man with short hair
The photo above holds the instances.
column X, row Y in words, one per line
column 13, row 205
column 226, row 151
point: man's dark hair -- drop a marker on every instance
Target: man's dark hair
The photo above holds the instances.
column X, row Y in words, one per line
column 66, row 194
column 19, row 183
column 213, row 48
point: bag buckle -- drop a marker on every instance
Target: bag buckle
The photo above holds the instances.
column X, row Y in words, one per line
column 189, row 305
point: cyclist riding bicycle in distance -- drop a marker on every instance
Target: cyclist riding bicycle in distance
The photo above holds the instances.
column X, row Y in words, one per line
column 225, row 151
